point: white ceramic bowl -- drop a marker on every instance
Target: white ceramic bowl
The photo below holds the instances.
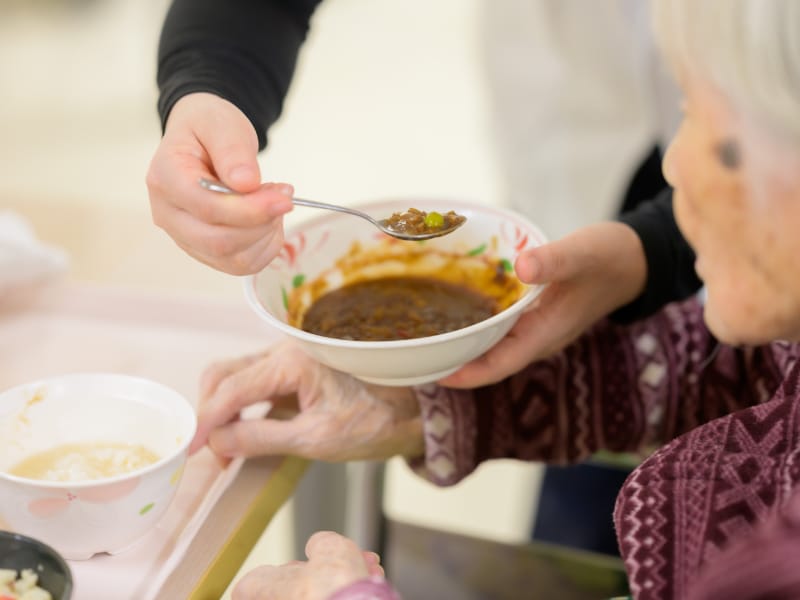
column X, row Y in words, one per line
column 82, row 518
column 312, row 247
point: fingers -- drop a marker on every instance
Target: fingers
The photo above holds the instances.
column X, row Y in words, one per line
column 276, row 374
column 555, row 261
column 209, row 382
column 232, row 145
column 329, row 546
column 215, row 373
column 270, row 582
column 242, row 259
column 179, row 196
column 172, row 180
column 373, row 562
column 261, row 437
column 505, row 358
column 333, row 563
column 344, row 558
column 236, row 233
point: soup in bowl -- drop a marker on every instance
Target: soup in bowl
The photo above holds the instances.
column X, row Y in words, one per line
column 395, row 312
column 90, row 461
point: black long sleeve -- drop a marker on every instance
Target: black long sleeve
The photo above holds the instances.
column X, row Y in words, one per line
column 670, row 259
column 242, row 50
column 245, row 51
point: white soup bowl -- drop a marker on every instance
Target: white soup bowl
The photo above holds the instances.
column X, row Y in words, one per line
column 85, row 517
column 312, row 247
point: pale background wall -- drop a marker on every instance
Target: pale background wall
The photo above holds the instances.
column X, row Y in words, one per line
column 389, row 100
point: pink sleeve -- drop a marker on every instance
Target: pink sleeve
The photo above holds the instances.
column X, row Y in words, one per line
column 373, row 588
column 618, row 388
column 761, row 564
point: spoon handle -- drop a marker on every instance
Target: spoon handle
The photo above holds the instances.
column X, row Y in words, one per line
column 336, row 207
column 215, row 186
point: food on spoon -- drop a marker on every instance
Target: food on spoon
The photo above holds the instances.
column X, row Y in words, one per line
column 415, row 221
column 21, row 585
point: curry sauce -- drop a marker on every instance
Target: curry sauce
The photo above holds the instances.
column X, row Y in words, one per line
column 396, row 308
column 395, row 291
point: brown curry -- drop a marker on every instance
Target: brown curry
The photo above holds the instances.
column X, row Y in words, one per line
column 415, row 221
column 395, row 291
column 396, row 308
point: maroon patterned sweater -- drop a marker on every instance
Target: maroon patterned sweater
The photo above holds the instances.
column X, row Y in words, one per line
column 715, row 512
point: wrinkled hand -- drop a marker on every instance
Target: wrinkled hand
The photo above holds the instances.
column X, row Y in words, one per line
column 589, row 274
column 333, row 563
column 336, row 417
column 207, row 136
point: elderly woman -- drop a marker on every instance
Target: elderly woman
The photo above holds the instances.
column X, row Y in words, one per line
column 715, row 513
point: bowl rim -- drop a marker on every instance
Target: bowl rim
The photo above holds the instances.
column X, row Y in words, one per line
column 530, row 294
column 86, row 483
column 60, row 560
column 531, row 291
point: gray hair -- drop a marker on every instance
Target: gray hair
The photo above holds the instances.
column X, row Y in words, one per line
column 748, row 49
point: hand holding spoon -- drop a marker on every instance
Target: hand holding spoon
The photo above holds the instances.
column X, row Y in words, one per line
column 412, row 225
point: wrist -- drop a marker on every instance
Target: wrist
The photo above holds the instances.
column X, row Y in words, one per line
column 371, row 588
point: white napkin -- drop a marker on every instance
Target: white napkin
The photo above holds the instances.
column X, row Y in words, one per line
column 24, row 260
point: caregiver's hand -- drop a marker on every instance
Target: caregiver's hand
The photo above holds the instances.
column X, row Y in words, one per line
column 340, row 418
column 333, row 563
column 207, row 136
column 589, row 274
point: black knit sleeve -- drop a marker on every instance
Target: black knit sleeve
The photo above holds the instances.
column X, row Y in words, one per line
column 242, row 50
column 670, row 259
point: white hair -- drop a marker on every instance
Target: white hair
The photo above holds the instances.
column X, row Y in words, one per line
column 748, row 49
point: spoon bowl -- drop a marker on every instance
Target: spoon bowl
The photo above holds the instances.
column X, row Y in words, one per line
column 383, row 224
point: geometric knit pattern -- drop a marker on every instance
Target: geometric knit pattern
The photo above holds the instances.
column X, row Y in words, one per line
column 724, row 421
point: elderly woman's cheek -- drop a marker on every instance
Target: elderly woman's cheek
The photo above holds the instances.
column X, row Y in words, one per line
column 668, row 167
column 732, row 318
column 683, row 217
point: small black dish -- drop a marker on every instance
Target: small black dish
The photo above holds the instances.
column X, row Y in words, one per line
column 20, row 552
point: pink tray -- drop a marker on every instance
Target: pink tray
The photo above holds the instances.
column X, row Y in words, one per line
column 70, row 328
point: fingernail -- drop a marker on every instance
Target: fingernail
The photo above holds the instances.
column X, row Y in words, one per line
column 286, row 189
column 527, row 267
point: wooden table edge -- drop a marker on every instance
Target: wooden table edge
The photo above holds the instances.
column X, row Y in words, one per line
column 233, row 527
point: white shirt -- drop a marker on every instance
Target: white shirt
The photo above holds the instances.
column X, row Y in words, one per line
column 578, row 95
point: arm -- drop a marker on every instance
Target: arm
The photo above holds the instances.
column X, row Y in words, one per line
column 618, row 388
column 242, row 50
column 223, row 71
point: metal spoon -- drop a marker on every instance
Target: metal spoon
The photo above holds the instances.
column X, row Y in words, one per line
column 382, row 224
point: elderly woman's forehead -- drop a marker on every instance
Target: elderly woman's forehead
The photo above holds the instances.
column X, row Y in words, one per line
column 750, row 50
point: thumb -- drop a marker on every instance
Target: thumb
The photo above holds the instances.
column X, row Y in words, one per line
column 232, row 145
column 555, row 261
